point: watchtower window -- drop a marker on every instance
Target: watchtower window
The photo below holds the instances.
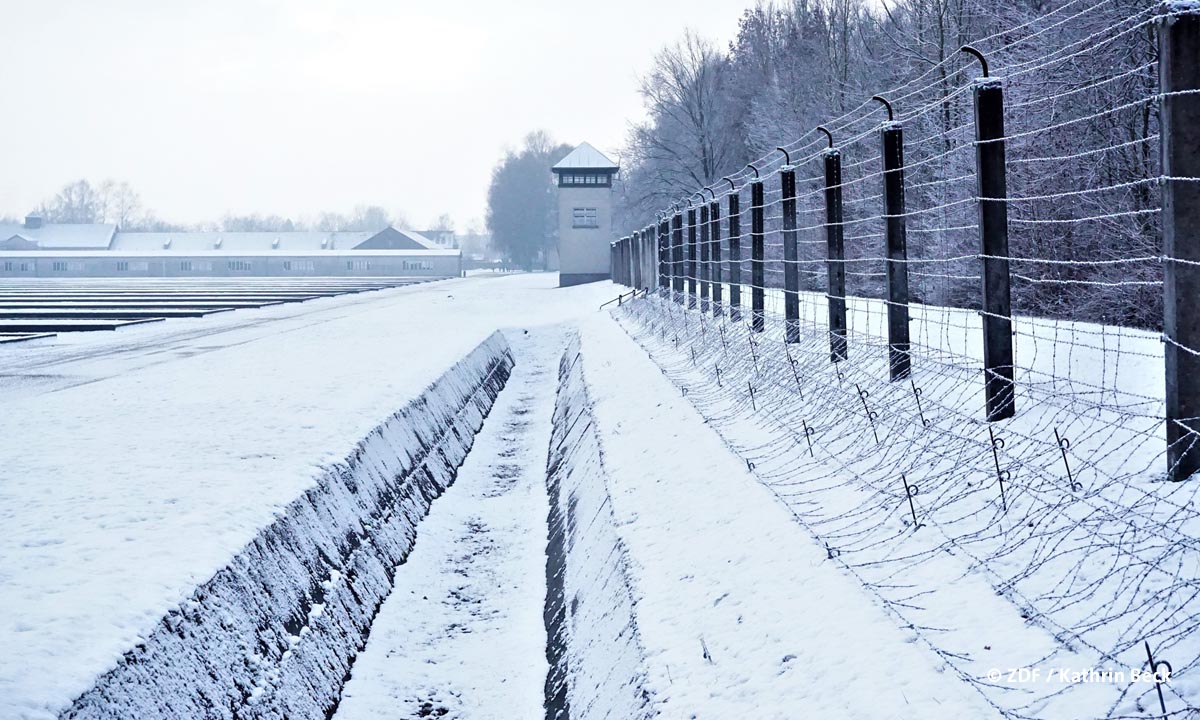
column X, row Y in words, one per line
column 584, row 218
column 584, row 179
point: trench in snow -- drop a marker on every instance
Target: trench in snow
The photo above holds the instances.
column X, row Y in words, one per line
column 509, row 600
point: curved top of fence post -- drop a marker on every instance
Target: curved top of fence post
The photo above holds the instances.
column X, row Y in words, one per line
column 886, row 104
column 978, row 56
column 732, row 186
column 756, row 175
column 828, row 134
column 787, row 158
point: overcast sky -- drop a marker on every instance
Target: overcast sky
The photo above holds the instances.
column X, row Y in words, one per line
column 291, row 107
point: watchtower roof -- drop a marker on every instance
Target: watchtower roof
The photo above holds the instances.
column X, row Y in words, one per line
column 585, row 157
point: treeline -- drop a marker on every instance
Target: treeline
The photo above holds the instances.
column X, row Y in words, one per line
column 116, row 202
column 522, row 210
column 1080, row 79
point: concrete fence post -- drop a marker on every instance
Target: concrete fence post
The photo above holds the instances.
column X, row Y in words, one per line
column 629, row 259
column 640, row 254
column 704, row 259
column 992, row 188
column 735, row 254
column 835, row 255
column 649, row 258
column 1179, row 73
column 635, row 259
column 690, row 268
column 714, row 253
column 758, row 310
column 618, row 274
column 791, row 253
column 892, row 136
column 622, row 256
column 677, row 257
column 664, row 256
column 624, row 246
column 639, row 242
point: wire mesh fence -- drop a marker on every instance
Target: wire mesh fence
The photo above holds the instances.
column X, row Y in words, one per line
column 1053, row 525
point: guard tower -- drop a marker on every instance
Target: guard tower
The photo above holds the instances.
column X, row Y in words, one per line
column 584, row 215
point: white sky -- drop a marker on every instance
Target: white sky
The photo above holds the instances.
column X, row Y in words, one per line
column 291, row 107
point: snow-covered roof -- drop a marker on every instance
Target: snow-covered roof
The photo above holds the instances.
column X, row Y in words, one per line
column 420, row 239
column 16, row 237
column 190, row 242
column 286, row 242
column 585, row 157
column 62, row 236
column 441, row 237
column 225, row 252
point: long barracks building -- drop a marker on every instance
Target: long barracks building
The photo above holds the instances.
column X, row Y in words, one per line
column 37, row 249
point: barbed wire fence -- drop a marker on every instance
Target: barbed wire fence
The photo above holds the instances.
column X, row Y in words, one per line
column 953, row 377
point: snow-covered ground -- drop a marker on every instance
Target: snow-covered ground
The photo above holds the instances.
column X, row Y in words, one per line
column 597, row 659
column 135, row 465
column 461, row 636
column 1031, row 556
column 739, row 609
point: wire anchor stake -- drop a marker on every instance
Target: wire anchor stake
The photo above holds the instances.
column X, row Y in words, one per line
column 795, row 374
column 917, row 394
column 911, row 490
column 1001, row 475
column 871, row 414
column 1158, row 683
column 1063, row 445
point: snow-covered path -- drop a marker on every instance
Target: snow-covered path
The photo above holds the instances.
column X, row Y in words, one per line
column 461, row 635
column 740, row 611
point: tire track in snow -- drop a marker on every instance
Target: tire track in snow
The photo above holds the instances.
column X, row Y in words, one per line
column 461, row 635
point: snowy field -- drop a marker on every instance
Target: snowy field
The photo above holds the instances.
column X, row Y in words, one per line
column 136, row 464
column 715, row 567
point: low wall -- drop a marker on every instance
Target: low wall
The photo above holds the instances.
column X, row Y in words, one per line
column 274, row 634
column 593, row 647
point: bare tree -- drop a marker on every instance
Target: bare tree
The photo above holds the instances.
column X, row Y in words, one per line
column 692, row 136
column 256, row 223
column 331, row 222
column 368, row 217
column 117, row 202
column 522, row 212
column 77, row 202
column 796, row 64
